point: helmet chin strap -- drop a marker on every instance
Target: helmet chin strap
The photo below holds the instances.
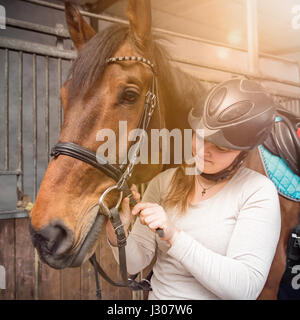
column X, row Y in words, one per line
column 225, row 173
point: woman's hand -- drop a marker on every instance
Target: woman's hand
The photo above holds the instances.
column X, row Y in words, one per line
column 125, row 215
column 154, row 216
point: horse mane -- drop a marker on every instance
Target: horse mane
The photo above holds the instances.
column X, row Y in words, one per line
column 179, row 90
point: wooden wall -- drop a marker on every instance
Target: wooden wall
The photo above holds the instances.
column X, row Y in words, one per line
column 27, row 278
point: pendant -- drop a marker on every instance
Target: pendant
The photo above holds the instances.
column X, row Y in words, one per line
column 203, row 192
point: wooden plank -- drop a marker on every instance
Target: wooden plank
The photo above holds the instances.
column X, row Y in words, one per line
column 108, row 263
column 100, row 6
column 124, row 293
column 88, row 282
column 49, row 282
column 25, row 275
column 7, row 257
column 70, row 284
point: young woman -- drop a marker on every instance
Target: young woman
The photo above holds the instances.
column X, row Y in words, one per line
column 221, row 226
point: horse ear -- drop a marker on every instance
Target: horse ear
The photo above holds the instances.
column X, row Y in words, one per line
column 80, row 31
column 139, row 15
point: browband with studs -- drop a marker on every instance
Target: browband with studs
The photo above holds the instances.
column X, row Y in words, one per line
column 132, row 58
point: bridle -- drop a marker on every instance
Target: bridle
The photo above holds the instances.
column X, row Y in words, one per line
column 120, row 174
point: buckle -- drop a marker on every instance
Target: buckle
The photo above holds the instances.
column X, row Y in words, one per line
column 122, row 242
column 103, row 207
column 54, row 152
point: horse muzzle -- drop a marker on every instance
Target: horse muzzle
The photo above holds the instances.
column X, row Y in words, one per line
column 53, row 243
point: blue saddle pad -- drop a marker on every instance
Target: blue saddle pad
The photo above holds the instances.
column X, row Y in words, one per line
column 285, row 180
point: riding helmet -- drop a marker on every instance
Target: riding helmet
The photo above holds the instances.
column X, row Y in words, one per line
column 236, row 114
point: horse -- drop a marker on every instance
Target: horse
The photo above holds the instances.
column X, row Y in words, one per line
column 99, row 95
column 109, row 82
column 288, row 143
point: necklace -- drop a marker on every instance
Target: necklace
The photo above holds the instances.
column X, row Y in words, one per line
column 203, row 188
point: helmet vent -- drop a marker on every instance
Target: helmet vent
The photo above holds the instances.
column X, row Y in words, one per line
column 215, row 101
column 251, row 86
column 235, row 111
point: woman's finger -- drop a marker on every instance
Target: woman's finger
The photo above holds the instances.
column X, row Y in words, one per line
column 133, row 188
column 155, row 225
column 125, row 207
column 142, row 221
column 125, row 204
column 142, row 205
column 136, row 195
column 152, row 211
column 150, row 219
column 125, row 213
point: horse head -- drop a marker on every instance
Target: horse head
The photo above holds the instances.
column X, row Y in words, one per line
column 97, row 95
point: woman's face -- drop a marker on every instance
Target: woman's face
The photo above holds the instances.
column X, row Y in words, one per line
column 215, row 159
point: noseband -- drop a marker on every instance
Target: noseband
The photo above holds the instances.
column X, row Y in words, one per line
column 120, row 174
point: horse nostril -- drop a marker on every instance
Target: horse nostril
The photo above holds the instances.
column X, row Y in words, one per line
column 55, row 238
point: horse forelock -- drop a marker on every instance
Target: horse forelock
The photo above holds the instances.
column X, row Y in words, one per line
column 90, row 62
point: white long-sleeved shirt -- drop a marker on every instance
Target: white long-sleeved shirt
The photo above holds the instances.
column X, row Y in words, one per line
column 225, row 247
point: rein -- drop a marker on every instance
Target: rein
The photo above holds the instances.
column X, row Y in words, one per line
column 120, row 174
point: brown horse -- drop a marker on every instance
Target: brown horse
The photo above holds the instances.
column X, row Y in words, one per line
column 289, row 219
column 99, row 95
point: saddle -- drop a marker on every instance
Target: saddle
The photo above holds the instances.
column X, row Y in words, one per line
column 280, row 154
column 284, row 141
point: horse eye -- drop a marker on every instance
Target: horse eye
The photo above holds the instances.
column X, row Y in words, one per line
column 129, row 96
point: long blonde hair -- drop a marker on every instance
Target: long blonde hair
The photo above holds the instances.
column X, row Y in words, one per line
column 182, row 187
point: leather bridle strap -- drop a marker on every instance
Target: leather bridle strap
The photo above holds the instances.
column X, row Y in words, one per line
column 81, row 153
column 121, row 241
